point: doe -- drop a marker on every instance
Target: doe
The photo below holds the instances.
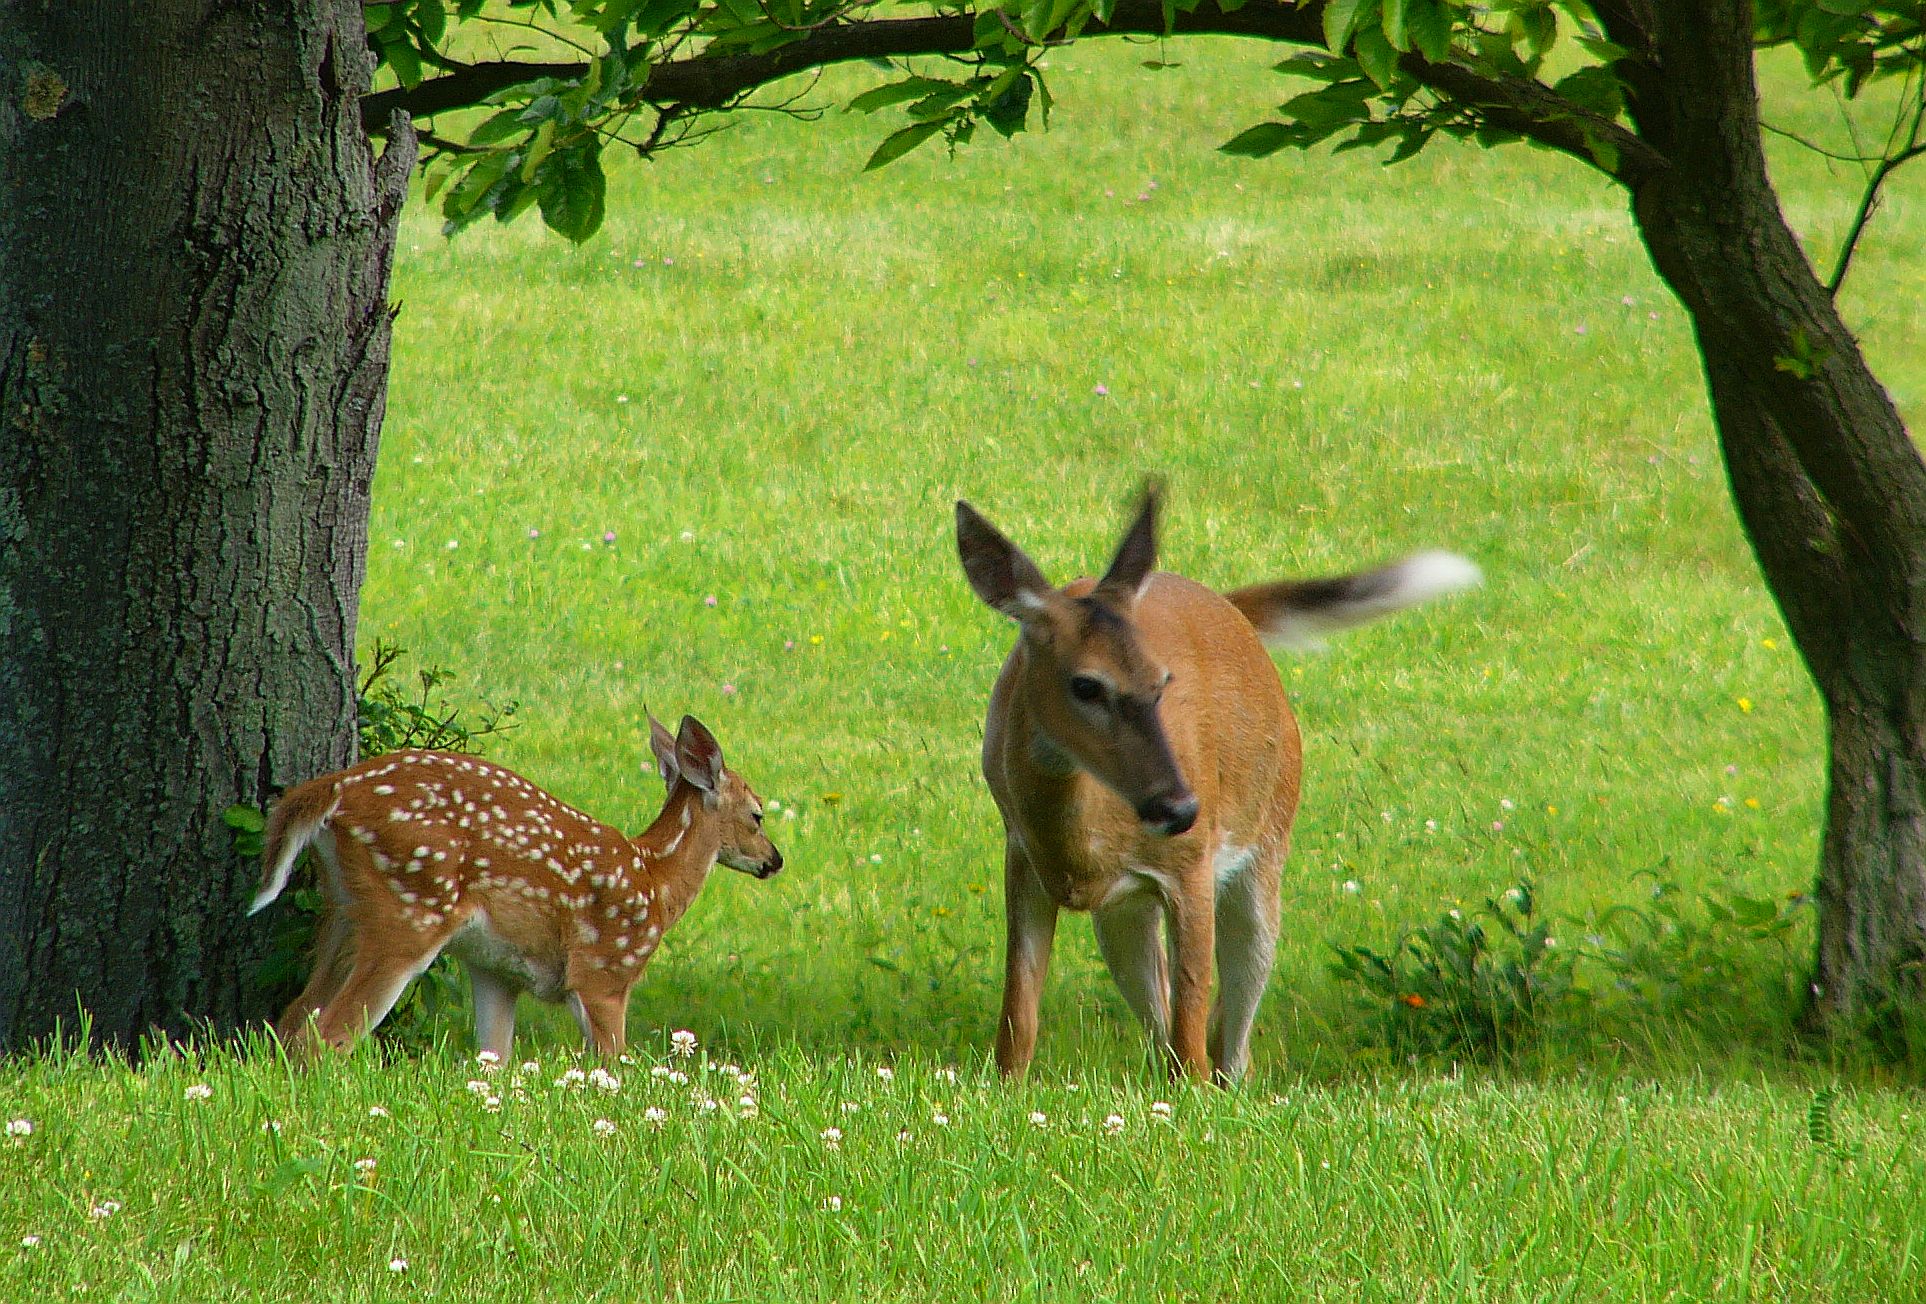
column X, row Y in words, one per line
column 422, row 852
column 1145, row 761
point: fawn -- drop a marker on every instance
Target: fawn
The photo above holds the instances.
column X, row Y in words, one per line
column 422, row 852
column 1145, row 761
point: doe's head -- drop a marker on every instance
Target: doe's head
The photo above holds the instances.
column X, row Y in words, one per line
column 1092, row 686
column 693, row 756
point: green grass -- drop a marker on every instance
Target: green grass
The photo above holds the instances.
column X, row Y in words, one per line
column 768, row 379
column 1434, row 1187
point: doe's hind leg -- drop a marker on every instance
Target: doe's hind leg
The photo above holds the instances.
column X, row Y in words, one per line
column 1247, row 920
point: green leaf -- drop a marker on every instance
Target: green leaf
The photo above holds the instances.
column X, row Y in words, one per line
column 1264, row 139
column 499, row 126
column 900, row 143
column 1337, row 105
column 1008, row 111
column 1594, row 88
column 1376, row 57
column 1603, row 151
column 1341, row 18
column 459, row 203
column 244, row 817
column 538, row 150
column 432, row 19
column 882, row 97
column 1318, row 66
column 399, row 53
column 937, row 104
column 573, row 199
column 1421, row 25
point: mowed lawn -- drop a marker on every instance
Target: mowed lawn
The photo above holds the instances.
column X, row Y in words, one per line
column 706, row 463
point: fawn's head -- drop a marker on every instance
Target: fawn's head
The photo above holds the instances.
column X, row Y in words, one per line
column 694, row 757
column 1091, row 685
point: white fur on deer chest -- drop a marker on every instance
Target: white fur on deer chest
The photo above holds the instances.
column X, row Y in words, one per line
column 479, row 945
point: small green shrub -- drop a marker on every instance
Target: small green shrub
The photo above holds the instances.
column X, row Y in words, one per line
column 1488, row 985
column 1672, row 958
column 1479, row 985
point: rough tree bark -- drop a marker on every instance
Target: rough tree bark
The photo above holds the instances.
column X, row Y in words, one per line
column 1828, row 484
column 195, row 242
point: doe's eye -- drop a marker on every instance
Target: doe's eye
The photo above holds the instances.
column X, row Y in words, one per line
column 1086, row 688
column 757, row 815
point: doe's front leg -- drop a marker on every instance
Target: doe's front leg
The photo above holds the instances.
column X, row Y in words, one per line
column 1030, row 919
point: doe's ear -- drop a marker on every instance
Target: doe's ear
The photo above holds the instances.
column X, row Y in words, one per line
column 662, row 743
column 698, row 755
column 998, row 570
column 1136, row 554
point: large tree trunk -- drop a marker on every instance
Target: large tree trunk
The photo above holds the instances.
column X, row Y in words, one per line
column 1829, row 486
column 194, row 251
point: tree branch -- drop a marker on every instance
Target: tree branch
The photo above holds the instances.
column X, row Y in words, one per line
column 712, row 81
column 1867, row 203
column 709, row 81
column 1536, row 111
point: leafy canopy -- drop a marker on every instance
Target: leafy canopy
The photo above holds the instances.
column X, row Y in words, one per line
column 643, row 75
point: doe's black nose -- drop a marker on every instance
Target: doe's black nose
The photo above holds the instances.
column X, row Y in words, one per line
column 1170, row 814
column 769, row 867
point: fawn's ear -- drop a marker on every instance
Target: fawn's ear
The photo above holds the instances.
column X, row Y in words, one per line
column 662, row 743
column 698, row 755
column 1136, row 553
column 999, row 572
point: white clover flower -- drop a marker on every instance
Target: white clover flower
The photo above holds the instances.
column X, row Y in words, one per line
column 397, row 1265
column 832, row 1138
column 727, row 1070
column 682, row 1042
column 886, row 1073
column 199, row 1091
column 603, row 1127
column 105, row 1209
column 1113, row 1124
column 747, row 1107
column 1039, row 1119
column 30, row 1241
column 679, row 1078
column 19, row 1127
column 851, row 1107
column 946, row 1074
column 1160, row 1109
column 1352, row 886
column 655, row 1115
column 488, row 1060
column 531, row 1067
column 478, row 1087
column 605, row 1080
column 271, row 1126
column 492, row 1104
column 940, row 1118
column 626, row 1059
column 834, row 1203
column 660, row 1071
column 705, row 1104
column 376, row 1111
column 364, row 1166
column 572, row 1078
column 904, row 1136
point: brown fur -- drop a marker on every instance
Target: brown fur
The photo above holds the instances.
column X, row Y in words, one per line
column 421, row 851
column 1191, row 710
